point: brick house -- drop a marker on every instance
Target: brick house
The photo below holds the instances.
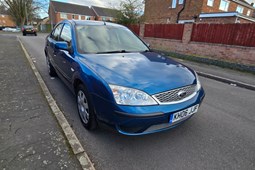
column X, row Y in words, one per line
column 6, row 21
column 105, row 14
column 59, row 11
column 189, row 11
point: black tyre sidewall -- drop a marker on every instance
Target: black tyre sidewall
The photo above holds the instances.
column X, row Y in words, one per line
column 92, row 123
column 51, row 70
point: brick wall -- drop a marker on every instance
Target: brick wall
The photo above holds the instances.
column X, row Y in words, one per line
column 69, row 17
column 192, row 9
column 161, row 12
column 100, row 18
column 239, row 54
column 6, row 20
column 216, row 5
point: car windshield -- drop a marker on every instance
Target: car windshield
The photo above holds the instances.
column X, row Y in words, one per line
column 107, row 39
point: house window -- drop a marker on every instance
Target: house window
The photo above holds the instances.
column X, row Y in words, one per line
column 104, row 19
column 239, row 9
column 248, row 12
column 174, row 3
column 180, row 1
column 224, row 4
column 210, row 2
column 63, row 15
column 87, row 17
column 73, row 16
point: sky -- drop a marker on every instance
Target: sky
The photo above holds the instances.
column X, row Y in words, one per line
column 250, row 1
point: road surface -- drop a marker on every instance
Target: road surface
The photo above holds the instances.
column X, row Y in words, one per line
column 220, row 136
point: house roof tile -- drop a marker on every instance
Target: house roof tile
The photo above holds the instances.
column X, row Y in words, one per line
column 107, row 12
column 71, row 8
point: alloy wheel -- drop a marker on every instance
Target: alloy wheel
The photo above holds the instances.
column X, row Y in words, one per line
column 83, row 106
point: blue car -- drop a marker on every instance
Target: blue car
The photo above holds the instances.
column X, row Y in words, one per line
column 118, row 80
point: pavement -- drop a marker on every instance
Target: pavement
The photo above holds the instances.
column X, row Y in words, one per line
column 30, row 137
column 233, row 77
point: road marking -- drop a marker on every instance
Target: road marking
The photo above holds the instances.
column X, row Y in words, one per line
column 75, row 144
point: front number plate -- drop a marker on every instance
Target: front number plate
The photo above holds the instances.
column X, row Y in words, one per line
column 183, row 114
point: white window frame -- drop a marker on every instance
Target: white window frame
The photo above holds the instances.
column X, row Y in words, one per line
column 226, row 5
column 210, row 2
column 181, row 2
column 63, row 15
column 248, row 13
column 174, row 3
column 239, row 9
column 79, row 17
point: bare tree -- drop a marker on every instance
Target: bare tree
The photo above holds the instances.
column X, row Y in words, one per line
column 22, row 10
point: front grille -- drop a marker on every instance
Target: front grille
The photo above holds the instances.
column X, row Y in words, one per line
column 175, row 95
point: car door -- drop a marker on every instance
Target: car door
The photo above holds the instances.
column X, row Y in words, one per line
column 51, row 41
column 65, row 57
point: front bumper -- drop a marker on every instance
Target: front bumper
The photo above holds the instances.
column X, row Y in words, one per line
column 140, row 120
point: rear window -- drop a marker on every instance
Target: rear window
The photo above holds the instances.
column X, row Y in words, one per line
column 28, row 26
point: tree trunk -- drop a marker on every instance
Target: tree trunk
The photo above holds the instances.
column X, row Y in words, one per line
column 22, row 22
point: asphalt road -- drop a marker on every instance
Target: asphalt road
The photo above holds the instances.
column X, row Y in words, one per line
column 220, row 136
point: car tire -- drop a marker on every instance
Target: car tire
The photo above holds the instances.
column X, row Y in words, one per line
column 85, row 108
column 51, row 69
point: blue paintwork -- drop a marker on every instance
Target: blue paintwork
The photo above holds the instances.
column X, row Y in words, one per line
column 147, row 71
column 62, row 45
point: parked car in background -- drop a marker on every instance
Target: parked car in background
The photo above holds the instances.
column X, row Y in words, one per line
column 16, row 30
column 1, row 28
column 8, row 29
column 29, row 29
column 118, row 80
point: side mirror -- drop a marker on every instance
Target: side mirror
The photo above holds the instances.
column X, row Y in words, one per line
column 62, row 45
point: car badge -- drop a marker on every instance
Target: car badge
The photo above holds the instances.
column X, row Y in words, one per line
column 181, row 94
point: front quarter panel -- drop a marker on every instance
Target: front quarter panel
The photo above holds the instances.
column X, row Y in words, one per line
column 93, row 82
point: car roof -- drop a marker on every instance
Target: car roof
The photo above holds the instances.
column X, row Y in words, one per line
column 90, row 22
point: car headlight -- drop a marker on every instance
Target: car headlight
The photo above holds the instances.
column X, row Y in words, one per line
column 198, row 87
column 129, row 96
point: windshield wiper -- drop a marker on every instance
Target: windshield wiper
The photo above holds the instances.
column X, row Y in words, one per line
column 109, row 52
column 145, row 51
